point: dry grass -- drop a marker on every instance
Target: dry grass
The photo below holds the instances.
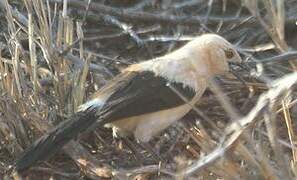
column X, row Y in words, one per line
column 55, row 53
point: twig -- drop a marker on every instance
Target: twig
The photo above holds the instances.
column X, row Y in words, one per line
column 125, row 27
column 86, row 12
column 80, row 63
column 148, row 17
column 168, row 38
column 144, row 169
column 184, row 4
column 292, row 55
column 161, row 18
column 234, row 131
column 140, row 5
column 57, row 172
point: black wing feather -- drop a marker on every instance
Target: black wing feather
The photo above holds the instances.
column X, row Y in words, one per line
column 134, row 93
column 50, row 143
column 145, row 93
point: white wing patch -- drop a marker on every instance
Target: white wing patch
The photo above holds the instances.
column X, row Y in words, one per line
column 94, row 103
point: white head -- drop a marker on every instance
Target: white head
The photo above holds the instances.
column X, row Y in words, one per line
column 205, row 56
column 213, row 51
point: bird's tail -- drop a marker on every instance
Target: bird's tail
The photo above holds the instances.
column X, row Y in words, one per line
column 54, row 140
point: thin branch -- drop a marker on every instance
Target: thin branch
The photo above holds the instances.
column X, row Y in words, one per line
column 125, row 27
column 148, row 17
column 292, row 55
column 237, row 128
column 81, row 64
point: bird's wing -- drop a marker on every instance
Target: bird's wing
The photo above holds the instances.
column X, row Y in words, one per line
column 128, row 94
column 141, row 94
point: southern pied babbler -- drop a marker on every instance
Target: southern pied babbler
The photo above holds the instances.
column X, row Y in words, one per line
column 140, row 100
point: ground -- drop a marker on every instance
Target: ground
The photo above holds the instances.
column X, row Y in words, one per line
column 46, row 47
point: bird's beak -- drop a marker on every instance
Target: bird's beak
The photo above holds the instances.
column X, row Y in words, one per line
column 236, row 58
column 236, row 62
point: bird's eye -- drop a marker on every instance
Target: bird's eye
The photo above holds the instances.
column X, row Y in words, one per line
column 229, row 53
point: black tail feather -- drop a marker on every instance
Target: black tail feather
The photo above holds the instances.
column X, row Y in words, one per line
column 50, row 143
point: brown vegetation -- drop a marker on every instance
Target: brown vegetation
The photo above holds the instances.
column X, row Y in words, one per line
column 55, row 53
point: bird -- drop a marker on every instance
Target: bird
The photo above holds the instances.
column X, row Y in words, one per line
column 141, row 100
